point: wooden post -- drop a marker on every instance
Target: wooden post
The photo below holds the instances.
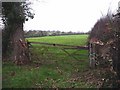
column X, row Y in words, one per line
column 92, row 55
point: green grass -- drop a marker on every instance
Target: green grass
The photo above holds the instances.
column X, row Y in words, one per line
column 66, row 39
column 50, row 66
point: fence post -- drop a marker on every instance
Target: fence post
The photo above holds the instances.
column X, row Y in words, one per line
column 92, row 55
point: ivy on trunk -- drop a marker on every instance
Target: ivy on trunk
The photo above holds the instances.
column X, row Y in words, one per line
column 14, row 44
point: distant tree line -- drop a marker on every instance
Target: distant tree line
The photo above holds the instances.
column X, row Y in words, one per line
column 40, row 33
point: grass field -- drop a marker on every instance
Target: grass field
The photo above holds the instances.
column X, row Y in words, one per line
column 67, row 39
column 51, row 67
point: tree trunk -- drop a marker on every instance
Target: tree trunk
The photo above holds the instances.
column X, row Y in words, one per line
column 20, row 53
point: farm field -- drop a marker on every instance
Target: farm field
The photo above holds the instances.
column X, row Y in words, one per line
column 52, row 67
column 66, row 39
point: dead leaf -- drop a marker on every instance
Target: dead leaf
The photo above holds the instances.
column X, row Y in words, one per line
column 13, row 73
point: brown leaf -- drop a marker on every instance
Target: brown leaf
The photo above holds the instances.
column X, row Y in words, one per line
column 12, row 73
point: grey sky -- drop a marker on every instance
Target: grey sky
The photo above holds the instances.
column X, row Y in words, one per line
column 68, row 15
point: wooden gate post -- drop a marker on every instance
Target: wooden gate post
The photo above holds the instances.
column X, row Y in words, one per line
column 92, row 55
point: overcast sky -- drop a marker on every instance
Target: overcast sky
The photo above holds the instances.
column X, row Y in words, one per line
column 68, row 15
